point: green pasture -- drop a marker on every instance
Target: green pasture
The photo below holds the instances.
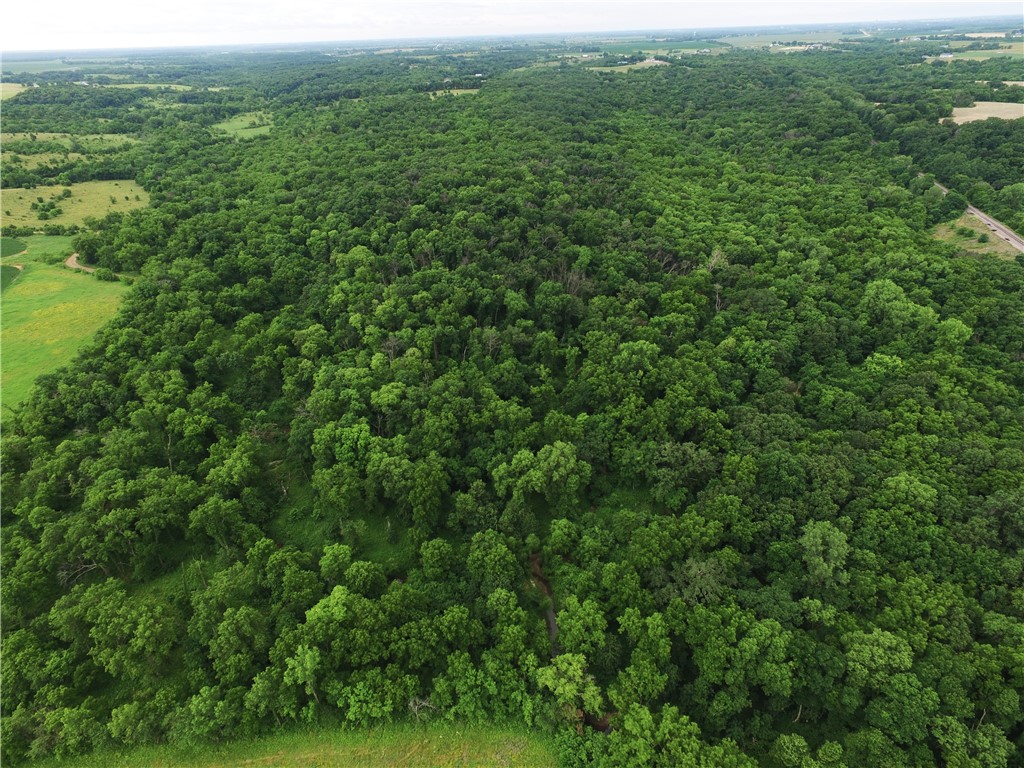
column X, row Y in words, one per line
column 246, row 125
column 398, row 746
column 48, row 313
column 8, row 275
column 43, row 158
column 88, row 142
column 88, row 199
column 10, row 246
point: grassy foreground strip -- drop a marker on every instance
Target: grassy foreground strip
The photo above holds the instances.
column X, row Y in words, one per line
column 403, row 746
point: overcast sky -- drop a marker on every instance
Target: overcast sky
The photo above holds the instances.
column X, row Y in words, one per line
column 77, row 24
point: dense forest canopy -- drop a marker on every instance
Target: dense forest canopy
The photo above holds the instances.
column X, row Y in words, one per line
column 640, row 398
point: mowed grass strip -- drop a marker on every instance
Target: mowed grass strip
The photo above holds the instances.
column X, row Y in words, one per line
column 48, row 313
column 435, row 746
column 88, row 198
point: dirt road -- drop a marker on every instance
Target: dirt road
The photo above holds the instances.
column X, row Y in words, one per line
column 72, row 262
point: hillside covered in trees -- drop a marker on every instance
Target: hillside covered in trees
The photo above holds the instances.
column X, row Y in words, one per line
column 643, row 399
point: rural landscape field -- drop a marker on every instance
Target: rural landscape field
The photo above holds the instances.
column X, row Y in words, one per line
column 640, row 399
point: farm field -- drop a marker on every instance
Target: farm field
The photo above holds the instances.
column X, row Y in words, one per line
column 764, row 40
column 982, row 110
column 444, row 746
column 36, row 66
column 995, row 246
column 7, row 90
column 48, row 314
column 1014, row 48
column 88, row 199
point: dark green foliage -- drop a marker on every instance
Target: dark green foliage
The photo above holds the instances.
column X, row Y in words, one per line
column 646, row 397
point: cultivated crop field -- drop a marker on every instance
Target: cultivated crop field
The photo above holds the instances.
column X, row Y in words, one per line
column 982, row 110
column 48, row 313
column 7, row 90
column 88, row 199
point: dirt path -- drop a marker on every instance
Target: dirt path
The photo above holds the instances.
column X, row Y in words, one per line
column 996, row 226
column 73, row 263
column 545, row 587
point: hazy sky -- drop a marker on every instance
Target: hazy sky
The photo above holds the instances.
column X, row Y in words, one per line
column 77, row 24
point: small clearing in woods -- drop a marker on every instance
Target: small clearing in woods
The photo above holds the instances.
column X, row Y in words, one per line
column 646, row 64
column 453, row 92
column 982, row 110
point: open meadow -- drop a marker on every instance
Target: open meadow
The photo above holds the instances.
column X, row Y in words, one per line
column 93, row 199
column 246, row 125
column 48, row 313
column 406, row 746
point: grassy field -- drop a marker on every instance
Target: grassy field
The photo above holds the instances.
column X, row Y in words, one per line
column 453, row 92
column 627, row 67
column 246, row 125
column 1013, row 48
column 762, row 41
column 47, row 314
column 168, row 86
column 8, row 275
column 92, row 142
column 35, row 66
column 44, row 158
column 436, row 746
column 10, row 246
column 982, row 110
column 995, row 246
column 10, row 89
column 89, row 198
